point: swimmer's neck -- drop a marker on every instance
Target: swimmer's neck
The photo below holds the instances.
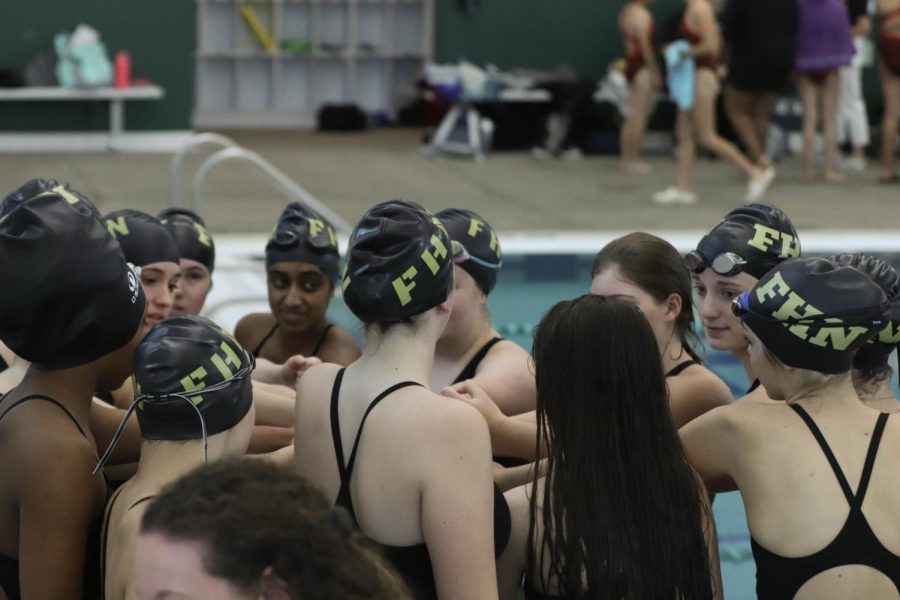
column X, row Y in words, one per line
column 674, row 352
column 743, row 355
column 837, row 393
column 73, row 388
column 400, row 353
column 464, row 341
column 163, row 462
column 882, row 399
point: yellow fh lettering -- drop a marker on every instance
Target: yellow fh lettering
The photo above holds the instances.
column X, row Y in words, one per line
column 790, row 246
column 66, row 194
column 764, row 237
column 315, row 226
column 495, row 244
column 792, row 306
column 194, row 382
column 345, row 279
column 474, row 227
column 332, row 236
column 838, row 338
column 203, row 235
column 776, row 286
column 230, row 359
column 402, row 289
column 890, row 335
column 430, row 258
column 118, row 226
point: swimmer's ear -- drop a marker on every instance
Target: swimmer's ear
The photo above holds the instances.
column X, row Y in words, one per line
column 673, row 306
column 272, row 587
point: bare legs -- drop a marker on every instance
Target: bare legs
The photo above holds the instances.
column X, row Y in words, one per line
column 749, row 115
column 811, row 93
column 890, row 85
column 640, row 106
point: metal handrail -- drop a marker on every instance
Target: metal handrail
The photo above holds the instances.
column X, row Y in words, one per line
column 197, row 139
column 289, row 185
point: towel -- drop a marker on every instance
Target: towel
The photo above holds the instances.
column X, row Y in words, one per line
column 680, row 74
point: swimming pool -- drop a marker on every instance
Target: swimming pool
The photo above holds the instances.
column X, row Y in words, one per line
column 540, row 270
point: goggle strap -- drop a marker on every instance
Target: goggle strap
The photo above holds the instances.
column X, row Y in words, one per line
column 115, row 440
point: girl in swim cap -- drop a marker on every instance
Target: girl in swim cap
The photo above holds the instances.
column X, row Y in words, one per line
column 470, row 347
column 211, row 418
column 728, row 261
column 412, row 467
column 147, row 244
column 814, row 466
column 613, row 453
column 74, row 310
column 197, row 259
column 302, row 269
column 871, row 370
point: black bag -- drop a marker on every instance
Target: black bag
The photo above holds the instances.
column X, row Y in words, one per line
column 341, row 117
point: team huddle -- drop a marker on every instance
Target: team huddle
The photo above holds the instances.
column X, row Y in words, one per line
column 146, row 452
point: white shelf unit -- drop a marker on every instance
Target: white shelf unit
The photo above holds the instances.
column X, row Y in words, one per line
column 366, row 52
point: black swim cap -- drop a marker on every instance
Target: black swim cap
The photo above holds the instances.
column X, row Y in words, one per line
column 399, row 263
column 303, row 235
column 143, row 238
column 36, row 187
column 482, row 258
column 875, row 353
column 191, row 235
column 187, row 355
column 813, row 313
column 760, row 234
column 68, row 296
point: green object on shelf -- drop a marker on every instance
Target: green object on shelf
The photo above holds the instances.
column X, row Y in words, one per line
column 297, row 46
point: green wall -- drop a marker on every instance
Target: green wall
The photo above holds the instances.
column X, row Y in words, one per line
column 538, row 34
column 159, row 34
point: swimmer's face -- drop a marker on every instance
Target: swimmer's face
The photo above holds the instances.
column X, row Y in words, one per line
column 661, row 315
column 769, row 372
column 173, row 568
column 159, row 281
column 299, row 293
column 193, row 288
column 467, row 302
column 713, row 294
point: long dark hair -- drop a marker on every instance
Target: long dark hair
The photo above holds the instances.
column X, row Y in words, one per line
column 621, row 514
column 654, row 265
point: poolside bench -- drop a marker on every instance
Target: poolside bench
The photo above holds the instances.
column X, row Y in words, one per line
column 115, row 96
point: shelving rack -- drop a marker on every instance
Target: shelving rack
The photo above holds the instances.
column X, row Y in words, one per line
column 368, row 52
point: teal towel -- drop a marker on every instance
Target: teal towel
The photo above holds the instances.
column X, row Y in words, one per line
column 680, row 69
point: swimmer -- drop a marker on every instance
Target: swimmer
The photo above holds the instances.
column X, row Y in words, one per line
column 73, row 309
column 815, row 467
column 194, row 404
column 418, row 482
column 197, row 253
column 302, row 270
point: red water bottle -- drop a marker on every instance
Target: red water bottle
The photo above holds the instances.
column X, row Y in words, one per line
column 122, row 69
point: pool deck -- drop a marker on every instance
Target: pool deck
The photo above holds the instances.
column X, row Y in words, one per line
column 512, row 190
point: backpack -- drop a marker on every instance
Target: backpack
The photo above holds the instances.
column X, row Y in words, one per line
column 82, row 60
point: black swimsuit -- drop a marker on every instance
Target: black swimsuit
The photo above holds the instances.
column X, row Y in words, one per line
column 779, row 577
column 315, row 351
column 9, row 567
column 105, row 537
column 413, row 563
column 680, row 367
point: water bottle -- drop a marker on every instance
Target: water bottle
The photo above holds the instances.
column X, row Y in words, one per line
column 122, row 69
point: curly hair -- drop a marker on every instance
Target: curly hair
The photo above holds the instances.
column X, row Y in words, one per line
column 251, row 515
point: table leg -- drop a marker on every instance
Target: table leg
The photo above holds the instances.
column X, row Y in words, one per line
column 116, row 116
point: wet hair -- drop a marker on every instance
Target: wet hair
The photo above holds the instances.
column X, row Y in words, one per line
column 622, row 514
column 252, row 515
column 655, row 266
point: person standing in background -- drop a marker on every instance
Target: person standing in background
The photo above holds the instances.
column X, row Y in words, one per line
column 853, row 121
column 760, row 36
column 644, row 81
column 889, row 51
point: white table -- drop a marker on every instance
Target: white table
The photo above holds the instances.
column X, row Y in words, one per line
column 115, row 96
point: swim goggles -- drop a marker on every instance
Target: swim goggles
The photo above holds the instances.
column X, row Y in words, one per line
column 461, row 255
column 250, row 363
column 725, row 264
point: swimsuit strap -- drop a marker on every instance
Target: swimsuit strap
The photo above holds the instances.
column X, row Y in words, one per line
column 265, row 339
column 48, row 399
column 104, row 542
column 321, row 340
column 855, row 501
column 468, row 371
column 680, row 367
column 142, row 500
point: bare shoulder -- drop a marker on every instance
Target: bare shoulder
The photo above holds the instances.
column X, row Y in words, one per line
column 694, row 392
column 316, row 381
column 251, row 328
column 339, row 347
